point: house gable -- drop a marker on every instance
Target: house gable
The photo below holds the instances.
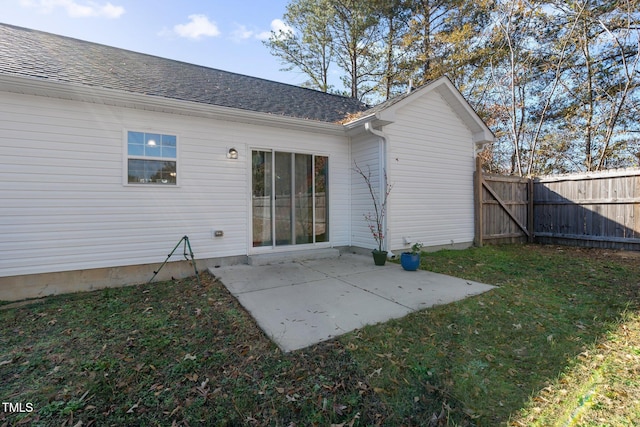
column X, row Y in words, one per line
column 385, row 113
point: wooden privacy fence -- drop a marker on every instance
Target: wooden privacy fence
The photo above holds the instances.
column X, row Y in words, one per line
column 588, row 209
column 503, row 209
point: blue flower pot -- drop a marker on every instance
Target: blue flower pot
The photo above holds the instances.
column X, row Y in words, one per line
column 409, row 261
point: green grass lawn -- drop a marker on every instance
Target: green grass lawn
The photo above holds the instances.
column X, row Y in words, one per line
column 557, row 343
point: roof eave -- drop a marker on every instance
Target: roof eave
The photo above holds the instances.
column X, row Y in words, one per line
column 483, row 138
column 112, row 97
column 377, row 120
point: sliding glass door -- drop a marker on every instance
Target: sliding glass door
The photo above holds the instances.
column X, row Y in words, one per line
column 289, row 198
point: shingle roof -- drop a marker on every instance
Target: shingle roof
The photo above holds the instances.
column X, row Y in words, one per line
column 31, row 53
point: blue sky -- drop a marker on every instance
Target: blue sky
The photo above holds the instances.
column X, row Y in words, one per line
column 223, row 34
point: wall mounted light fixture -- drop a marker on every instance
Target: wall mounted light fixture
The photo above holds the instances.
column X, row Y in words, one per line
column 232, row 154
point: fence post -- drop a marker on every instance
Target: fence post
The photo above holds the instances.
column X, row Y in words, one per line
column 530, row 222
column 477, row 193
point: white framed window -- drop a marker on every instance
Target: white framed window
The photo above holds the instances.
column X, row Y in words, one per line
column 152, row 158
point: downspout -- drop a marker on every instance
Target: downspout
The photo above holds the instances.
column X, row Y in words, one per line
column 382, row 173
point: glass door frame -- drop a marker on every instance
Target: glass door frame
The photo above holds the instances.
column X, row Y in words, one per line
column 273, row 246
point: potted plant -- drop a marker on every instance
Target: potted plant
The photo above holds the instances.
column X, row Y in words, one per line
column 410, row 261
column 375, row 220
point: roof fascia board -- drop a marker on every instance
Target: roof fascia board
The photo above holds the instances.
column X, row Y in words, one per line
column 69, row 91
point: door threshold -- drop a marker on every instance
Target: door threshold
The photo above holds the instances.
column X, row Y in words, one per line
column 293, row 255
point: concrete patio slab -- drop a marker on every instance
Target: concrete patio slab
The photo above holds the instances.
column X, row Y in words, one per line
column 304, row 302
column 414, row 289
column 301, row 315
column 249, row 278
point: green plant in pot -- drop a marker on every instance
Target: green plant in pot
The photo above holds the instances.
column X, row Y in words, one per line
column 376, row 219
column 410, row 261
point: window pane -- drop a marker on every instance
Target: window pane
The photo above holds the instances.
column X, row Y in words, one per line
column 135, row 143
column 152, row 143
column 135, row 138
column 303, row 198
column 261, row 198
column 151, row 151
column 283, row 217
column 168, row 152
column 136, row 150
column 152, row 139
column 166, row 174
column 169, row 141
column 322, row 198
column 136, row 171
column 152, row 171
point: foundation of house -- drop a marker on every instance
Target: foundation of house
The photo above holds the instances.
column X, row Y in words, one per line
column 16, row 288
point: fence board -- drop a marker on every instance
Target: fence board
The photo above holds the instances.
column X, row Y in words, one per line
column 502, row 209
column 587, row 209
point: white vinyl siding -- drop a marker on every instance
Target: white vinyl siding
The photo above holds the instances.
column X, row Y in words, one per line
column 64, row 206
column 366, row 154
column 431, row 168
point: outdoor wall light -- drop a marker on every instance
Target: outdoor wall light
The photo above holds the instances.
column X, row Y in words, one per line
column 232, row 154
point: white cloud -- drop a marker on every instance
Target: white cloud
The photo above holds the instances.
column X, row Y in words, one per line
column 75, row 8
column 277, row 26
column 263, row 35
column 198, row 26
column 112, row 11
column 242, row 33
